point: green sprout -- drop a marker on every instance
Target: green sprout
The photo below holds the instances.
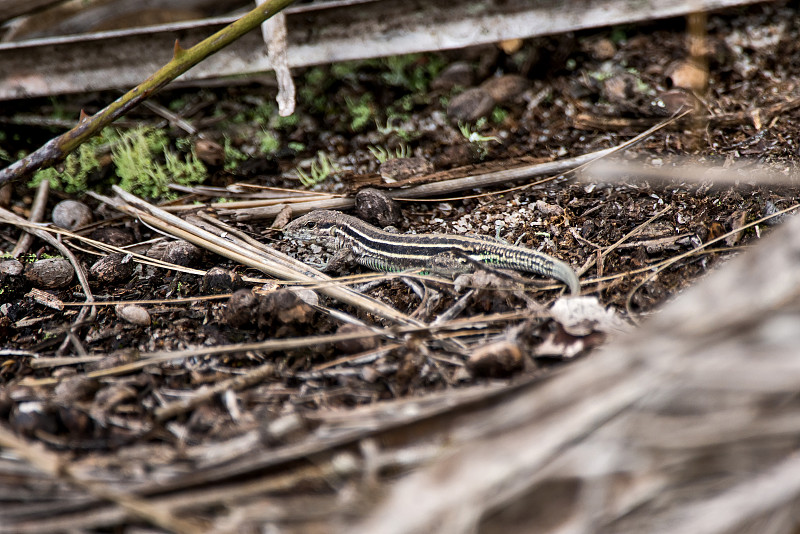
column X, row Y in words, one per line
column 321, row 168
column 391, row 129
column 499, row 114
column 269, row 142
column 476, row 139
column 382, row 153
column 360, row 111
column 233, row 156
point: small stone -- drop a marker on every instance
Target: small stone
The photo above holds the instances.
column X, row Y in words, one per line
column 457, row 74
column 209, row 152
column 354, row 346
column 12, row 283
column 283, row 307
column 218, row 281
column 133, row 313
column 619, row 88
column 33, row 417
column 602, row 49
column 77, row 422
column 500, row 359
column 769, row 209
column 11, row 267
column 118, row 237
column 178, row 252
column 375, row 206
column 241, row 308
column 687, row 75
column 505, row 89
column 50, row 273
column 470, row 105
column 549, row 209
column 71, row 214
column 113, row 268
column 308, row 296
column 395, row 169
column 510, row 46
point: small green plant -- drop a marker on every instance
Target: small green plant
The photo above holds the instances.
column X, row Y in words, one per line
column 284, row 123
column 135, row 159
column 74, row 177
column 263, row 113
column 475, row 138
column 321, row 168
column 391, row 129
column 233, row 156
column 382, row 153
column 618, row 35
column 360, row 111
column 297, row 147
column 268, row 142
column 499, row 114
column 345, row 71
column 412, row 71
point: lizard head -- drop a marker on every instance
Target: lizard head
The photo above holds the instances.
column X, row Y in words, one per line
column 314, row 226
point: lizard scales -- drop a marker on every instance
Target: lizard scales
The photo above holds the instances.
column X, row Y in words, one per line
column 438, row 253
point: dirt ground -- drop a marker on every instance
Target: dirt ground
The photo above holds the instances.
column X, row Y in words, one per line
column 548, row 98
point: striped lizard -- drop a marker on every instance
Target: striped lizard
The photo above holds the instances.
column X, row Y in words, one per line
column 442, row 254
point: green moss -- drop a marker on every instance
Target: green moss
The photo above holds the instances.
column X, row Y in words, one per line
column 499, row 114
column 135, row 157
column 268, row 143
column 412, row 71
column 77, row 167
column 233, row 156
column 360, row 111
column 284, row 123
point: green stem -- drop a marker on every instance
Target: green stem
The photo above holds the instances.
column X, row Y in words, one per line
column 58, row 148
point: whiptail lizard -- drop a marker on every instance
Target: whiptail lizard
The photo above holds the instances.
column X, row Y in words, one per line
column 442, row 254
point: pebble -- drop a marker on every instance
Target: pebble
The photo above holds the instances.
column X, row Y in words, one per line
column 505, row 89
column 178, row 252
column 11, row 267
column 71, row 214
column 354, row 346
column 133, row 313
column 470, row 105
column 50, row 273
column 118, row 237
column 687, row 75
column 113, row 268
column 457, row 74
column 218, row 281
column 241, row 308
column 375, row 206
column 500, row 359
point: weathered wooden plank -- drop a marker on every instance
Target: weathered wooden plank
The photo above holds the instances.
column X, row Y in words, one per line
column 318, row 34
